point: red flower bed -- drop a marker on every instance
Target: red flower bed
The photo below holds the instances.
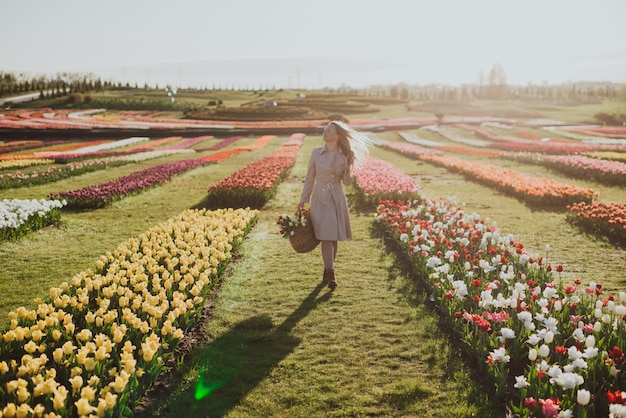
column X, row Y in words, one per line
column 255, row 184
column 600, row 218
column 536, row 191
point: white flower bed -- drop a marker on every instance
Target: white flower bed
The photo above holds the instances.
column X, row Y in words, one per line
column 114, row 144
column 147, row 155
column 23, row 215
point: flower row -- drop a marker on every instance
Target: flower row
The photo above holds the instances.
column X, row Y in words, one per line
column 103, row 194
column 18, row 146
column 255, row 184
column 76, row 146
column 578, row 166
column 189, row 142
column 27, row 162
column 114, row 144
column 377, row 179
column 101, row 339
column 608, row 131
column 537, row 191
column 414, row 139
column 453, row 136
column 608, row 155
column 54, row 173
column 548, row 346
column 600, row 218
column 18, row 217
column 410, row 150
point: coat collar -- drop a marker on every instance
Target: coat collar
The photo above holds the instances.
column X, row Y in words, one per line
column 325, row 150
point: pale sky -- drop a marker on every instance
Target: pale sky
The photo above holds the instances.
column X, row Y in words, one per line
column 316, row 43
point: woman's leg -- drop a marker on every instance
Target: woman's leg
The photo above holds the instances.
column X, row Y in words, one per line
column 329, row 252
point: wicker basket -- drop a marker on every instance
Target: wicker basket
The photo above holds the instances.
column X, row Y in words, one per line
column 303, row 239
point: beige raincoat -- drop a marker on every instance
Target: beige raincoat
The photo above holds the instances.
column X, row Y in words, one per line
column 323, row 185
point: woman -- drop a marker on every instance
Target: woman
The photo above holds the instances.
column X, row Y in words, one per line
column 329, row 167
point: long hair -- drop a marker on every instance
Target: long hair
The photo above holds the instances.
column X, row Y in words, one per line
column 353, row 144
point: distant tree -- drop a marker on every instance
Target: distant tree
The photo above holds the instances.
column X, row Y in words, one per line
column 74, row 98
column 497, row 87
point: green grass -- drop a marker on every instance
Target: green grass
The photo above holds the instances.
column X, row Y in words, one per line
column 280, row 344
column 45, row 258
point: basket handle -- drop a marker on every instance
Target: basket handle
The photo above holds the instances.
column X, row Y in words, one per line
column 302, row 210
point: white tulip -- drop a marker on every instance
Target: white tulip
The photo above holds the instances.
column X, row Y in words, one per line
column 583, row 397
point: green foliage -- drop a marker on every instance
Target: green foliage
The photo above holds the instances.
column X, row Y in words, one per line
column 614, row 119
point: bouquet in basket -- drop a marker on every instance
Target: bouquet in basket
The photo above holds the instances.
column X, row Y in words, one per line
column 299, row 229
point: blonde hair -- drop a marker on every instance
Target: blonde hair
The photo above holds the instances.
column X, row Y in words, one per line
column 353, row 144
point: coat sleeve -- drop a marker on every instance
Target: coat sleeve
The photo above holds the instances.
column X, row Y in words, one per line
column 309, row 181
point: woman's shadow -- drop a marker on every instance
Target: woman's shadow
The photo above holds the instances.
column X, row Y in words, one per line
column 235, row 363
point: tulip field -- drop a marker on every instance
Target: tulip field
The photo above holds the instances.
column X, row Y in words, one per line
column 549, row 335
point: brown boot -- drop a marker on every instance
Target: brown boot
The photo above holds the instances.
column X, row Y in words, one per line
column 332, row 282
column 326, row 277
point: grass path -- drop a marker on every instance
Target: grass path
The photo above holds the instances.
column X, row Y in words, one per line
column 283, row 345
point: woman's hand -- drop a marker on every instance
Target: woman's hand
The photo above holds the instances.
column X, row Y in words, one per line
column 300, row 206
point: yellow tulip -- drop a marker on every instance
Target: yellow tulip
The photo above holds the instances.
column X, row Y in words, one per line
column 68, row 348
column 110, row 400
column 22, row 394
column 83, row 407
column 84, row 335
column 9, row 336
column 4, row 367
column 60, row 396
column 178, row 334
column 76, row 371
column 49, row 385
column 69, row 328
column 90, row 317
column 9, row 410
column 120, row 381
column 57, row 355
column 20, row 333
column 81, row 356
column 23, row 411
column 11, row 386
column 38, row 390
column 101, row 353
column 56, row 335
column 30, row 347
column 89, row 364
column 88, row 393
column 39, row 410
column 77, row 383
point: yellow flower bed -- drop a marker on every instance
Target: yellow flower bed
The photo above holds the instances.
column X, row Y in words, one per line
column 102, row 338
column 27, row 162
column 607, row 155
